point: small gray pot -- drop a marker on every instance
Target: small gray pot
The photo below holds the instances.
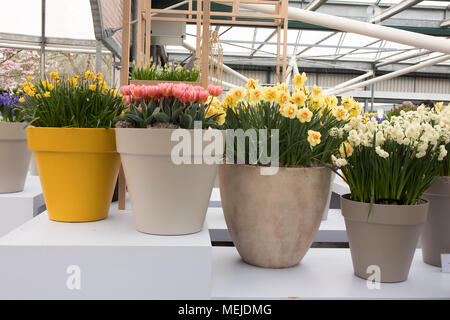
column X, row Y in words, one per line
column 436, row 233
column 385, row 239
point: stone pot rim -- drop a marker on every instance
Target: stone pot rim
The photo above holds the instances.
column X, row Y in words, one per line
column 386, row 214
column 257, row 166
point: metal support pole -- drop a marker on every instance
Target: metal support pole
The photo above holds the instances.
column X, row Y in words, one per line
column 42, row 62
column 98, row 57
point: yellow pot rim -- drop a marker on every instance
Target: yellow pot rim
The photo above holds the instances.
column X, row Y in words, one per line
column 89, row 140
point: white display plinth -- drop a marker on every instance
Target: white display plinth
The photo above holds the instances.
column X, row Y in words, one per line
column 18, row 207
column 339, row 186
column 43, row 259
column 322, row 274
column 330, row 230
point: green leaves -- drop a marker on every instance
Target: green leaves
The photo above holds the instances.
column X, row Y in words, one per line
column 178, row 73
column 72, row 106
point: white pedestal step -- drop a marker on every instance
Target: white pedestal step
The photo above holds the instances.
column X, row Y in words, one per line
column 322, row 274
column 106, row 259
column 18, row 207
column 330, row 230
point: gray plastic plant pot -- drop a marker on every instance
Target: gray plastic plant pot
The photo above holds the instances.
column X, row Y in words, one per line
column 14, row 156
column 383, row 243
column 436, row 233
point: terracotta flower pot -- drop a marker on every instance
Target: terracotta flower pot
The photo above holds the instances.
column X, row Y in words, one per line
column 273, row 219
column 387, row 238
column 436, row 233
column 14, row 156
column 78, row 169
column 167, row 199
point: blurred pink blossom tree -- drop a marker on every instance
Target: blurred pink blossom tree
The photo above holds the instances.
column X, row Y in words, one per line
column 15, row 65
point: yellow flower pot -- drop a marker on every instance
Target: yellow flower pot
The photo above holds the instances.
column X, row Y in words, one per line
column 78, row 169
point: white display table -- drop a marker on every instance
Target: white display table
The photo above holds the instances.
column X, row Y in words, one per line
column 322, row 274
column 339, row 186
column 330, row 230
column 44, row 259
column 18, row 207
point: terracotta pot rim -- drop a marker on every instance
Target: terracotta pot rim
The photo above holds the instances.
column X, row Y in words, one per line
column 423, row 202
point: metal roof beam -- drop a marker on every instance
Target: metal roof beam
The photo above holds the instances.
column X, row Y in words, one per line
column 391, row 11
column 315, row 4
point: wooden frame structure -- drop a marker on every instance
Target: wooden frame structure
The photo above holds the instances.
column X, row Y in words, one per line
column 199, row 13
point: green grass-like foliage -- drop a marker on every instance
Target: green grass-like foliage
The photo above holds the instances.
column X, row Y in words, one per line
column 169, row 73
column 294, row 148
column 79, row 102
column 399, row 179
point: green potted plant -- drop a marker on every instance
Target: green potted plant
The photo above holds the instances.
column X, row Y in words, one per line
column 152, row 74
column 70, row 131
column 388, row 165
column 168, row 196
column 14, row 153
column 273, row 218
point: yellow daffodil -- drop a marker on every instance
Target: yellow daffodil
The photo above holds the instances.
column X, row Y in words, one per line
column 252, row 84
column 29, row 78
column 299, row 98
column 438, row 106
column 316, row 90
column 283, row 97
column 340, row 113
column 89, row 75
column 300, row 79
column 346, row 150
column 47, row 94
column 270, row 94
column 304, row 115
column 21, row 99
column 255, row 95
column 93, row 87
column 314, row 137
column 99, row 76
column 288, row 110
column 38, row 96
column 220, row 120
column 54, row 76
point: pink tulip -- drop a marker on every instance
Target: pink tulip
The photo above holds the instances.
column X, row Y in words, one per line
column 166, row 89
column 203, row 96
column 126, row 90
column 138, row 92
column 128, row 99
column 215, row 90
column 178, row 91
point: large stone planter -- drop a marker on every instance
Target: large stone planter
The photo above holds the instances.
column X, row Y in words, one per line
column 385, row 239
column 78, row 170
column 436, row 233
column 273, row 219
column 14, row 156
column 166, row 198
